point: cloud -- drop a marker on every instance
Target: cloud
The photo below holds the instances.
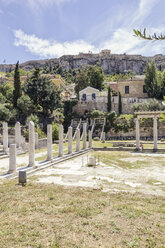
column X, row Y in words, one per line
column 123, row 41
column 47, row 48
column 1, row 12
column 145, row 8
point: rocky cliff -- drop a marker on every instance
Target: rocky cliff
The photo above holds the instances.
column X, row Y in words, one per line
column 112, row 63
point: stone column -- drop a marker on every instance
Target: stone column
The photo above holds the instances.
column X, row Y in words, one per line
column 18, row 134
column 61, row 136
column 84, row 135
column 36, row 140
column 78, row 140
column 90, row 138
column 103, row 137
column 137, row 134
column 5, row 137
column 31, row 144
column 12, row 158
column 49, row 142
column 155, row 133
column 70, row 140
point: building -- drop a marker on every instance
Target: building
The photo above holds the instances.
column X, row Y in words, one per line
column 91, row 99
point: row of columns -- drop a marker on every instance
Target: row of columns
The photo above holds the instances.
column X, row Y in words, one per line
column 155, row 133
column 6, row 139
column 12, row 148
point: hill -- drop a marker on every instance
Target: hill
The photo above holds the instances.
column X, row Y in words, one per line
column 111, row 63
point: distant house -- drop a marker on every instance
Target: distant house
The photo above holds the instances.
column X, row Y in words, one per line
column 132, row 91
column 90, row 94
column 91, row 99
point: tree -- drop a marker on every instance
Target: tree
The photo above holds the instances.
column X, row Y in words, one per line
column 43, row 93
column 109, row 100
column 153, row 81
column 142, row 35
column 24, row 104
column 7, row 92
column 91, row 76
column 96, row 77
column 81, row 81
column 17, row 85
column 120, row 104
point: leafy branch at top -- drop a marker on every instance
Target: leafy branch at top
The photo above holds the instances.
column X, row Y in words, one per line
column 142, row 35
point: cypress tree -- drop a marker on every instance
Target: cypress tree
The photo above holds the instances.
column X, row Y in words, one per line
column 109, row 100
column 17, row 85
column 120, row 104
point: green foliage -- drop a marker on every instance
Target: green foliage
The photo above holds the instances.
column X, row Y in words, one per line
column 120, row 104
column 119, row 123
column 153, row 81
column 7, row 92
column 5, row 113
column 41, row 133
column 58, row 116
column 109, row 104
column 96, row 114
column 21, row 72
column 68, row 75
column 17, row 85
column 81, row 80
column 142, row 35
column 55, row 131
column 90, row 76
column 96, row 77
column 68, row 113
column 150, row 105
column 24, row 104
column 33, row 118
column 119, row 76
column 43, row 93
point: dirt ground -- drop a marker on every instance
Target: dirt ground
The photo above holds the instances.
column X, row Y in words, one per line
column 115, row 172
column 46, row 215
column 119, row 203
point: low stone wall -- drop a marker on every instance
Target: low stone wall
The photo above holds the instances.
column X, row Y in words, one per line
column 42, row 143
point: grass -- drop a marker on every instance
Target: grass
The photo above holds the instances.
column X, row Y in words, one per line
column 52, row 216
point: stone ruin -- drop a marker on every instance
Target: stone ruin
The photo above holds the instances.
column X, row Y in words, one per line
column 19, row 143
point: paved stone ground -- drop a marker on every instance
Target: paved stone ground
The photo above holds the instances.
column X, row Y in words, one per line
column 148, row 179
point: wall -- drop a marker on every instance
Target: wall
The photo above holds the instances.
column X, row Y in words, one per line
column 135, row 89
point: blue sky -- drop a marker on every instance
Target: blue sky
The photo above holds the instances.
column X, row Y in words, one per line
column 40, row 29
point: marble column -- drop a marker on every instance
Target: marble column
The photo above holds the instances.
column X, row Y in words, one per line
column 137, row 134
column 36, row 140
column 12, row 158
column 84, row 135
column 5, row 137
column 61, row 136
column 31, row 144
column 155, row 132
column 78, row 140
column 49, row 142
column 103, row 137
column 18, row 134
column 90, row 138
column 70, row 140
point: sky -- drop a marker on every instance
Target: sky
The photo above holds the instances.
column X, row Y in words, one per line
column 44, row 29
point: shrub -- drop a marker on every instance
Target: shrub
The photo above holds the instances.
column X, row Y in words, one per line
column 97, row 114
column 150, row 105
column 55, row 131
column 33, row 118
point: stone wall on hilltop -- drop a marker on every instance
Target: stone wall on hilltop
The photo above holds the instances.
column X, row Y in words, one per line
column 112, row 63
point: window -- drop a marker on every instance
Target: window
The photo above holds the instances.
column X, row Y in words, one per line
column 126, row 89
column 93, row 96
column 144, row 89
column 84, row 97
